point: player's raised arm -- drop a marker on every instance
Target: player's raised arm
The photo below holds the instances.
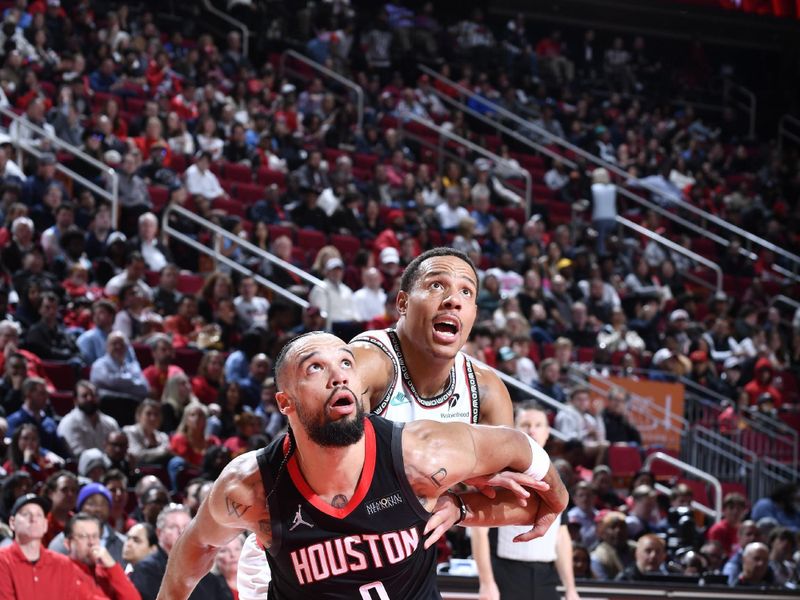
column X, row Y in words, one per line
column 234, row 505
column 437, row 456
column 375, row 369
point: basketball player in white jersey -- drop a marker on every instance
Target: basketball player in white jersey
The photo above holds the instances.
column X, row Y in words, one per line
column 418, row 371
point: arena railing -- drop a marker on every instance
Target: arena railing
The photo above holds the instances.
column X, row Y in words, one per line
column 220, row 14
column 743, row 98
column 761, row 433
column 679, row 249
column 727, row 460
column 704, row 216
column 444, row 135
column 716, row 512
column 221, row 233
column 330, row 74
column 788, row 130
column 24, row 144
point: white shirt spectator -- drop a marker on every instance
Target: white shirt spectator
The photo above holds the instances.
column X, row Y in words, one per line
column 555, row 179
column 254, row 311
column 116, row 283
column 80, row 434
column 153, row 257
column 604, row 201
column 340, row 307
column 449, row 218
column 203, row 184
column 510, row 281
column 369, row 303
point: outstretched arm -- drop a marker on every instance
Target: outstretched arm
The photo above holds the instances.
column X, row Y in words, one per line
column 439, row 455
column 233, row 505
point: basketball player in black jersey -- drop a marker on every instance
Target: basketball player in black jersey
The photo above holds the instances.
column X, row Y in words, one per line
column 341, row 503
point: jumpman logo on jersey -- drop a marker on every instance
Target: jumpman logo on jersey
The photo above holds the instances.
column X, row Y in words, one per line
column 299, row 520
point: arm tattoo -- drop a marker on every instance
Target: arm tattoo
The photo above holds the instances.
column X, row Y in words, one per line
column 339, row 501
column 265, row 527
column 235, row 508
column 439, row 476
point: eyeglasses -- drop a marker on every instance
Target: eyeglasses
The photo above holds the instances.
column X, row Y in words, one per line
column 82, row 537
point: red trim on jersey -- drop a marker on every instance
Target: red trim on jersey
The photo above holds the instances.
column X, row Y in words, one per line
column 364, row 482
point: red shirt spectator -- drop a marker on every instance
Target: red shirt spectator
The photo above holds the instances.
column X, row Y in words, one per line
column 190, row 441
column 157, row 377
column 762, row 384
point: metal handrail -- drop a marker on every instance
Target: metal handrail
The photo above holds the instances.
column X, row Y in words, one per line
column 110, row 172
column 253, row 249
column 506, row 130
column 733, row 229
column 674, row 247
column 498, row 160
column 231, row 21
column 780, row 298
column 540, row 397
column 783, row 130
column 666, row 490
column 694, row 471
column 750, row 105
column 359, row 92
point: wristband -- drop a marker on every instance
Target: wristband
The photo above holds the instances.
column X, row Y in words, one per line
column 540, row 461
column 462, row 507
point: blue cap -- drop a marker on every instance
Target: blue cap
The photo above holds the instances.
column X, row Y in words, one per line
column 90, row 490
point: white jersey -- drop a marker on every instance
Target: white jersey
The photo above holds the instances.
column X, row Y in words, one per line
column 459, row 402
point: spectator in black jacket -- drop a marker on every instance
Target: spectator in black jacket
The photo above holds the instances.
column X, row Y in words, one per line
column 148, row 573
column 308, row 215
column 618, row 427
column 47, row 338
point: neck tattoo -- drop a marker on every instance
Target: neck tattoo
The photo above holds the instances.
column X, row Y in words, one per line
column 339, row 501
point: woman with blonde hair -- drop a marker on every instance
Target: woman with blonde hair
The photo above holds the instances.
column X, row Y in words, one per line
column 323, row 256
column 176, row 396
column 190, row 442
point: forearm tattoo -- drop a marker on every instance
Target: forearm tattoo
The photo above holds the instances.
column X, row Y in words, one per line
column 235, row 508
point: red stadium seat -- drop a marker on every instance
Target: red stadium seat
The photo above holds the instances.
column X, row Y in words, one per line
column 699, row 490
column 144, row 354
column 240, row 173
column 348, row 245
column 188, row 359
column 62, row 402
column 276, row 231
column 61, row 373
column 249, row 193
column 189, row 283
column 267, row 176
column 311, row 240
column 625, row 462
column 232, row 207
column 159, row 196
column 661, row 470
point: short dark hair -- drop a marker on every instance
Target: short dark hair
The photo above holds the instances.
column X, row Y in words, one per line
column 150, row 531
column 278, row 369
column 105, row 305
column 134, row 257
column 114, row 475
column 411, row 274
column 81, row 516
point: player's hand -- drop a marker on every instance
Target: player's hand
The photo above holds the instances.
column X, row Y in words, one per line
column 488, row 591
column 102, row 557
column 445, row 514
column 571, row 595
column 510, row 480
column 545, row 517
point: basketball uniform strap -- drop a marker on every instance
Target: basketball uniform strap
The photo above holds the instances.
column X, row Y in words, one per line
column 400, row 473
column 269, row 482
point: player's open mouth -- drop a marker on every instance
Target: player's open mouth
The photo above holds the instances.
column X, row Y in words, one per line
column 342, row 402
column 446, row 328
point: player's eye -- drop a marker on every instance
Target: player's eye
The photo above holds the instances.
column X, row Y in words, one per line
column 347, row 363
column 466, row 292
column 436, row 285
column 314, row 367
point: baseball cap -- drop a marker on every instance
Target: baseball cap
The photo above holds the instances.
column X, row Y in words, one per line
column 731, row 363
column 91, row 458
column 393, row 215
column 91, row 490
column 31, row 499
column 678, row 314
column 390, row 255
column 334, row 263
column 116, row 236
column 661, row 355
column 563, row 263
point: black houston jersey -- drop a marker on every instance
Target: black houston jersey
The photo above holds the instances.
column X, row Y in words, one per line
column 371, row 549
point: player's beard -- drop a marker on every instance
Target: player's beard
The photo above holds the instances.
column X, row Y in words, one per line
column 333, row 434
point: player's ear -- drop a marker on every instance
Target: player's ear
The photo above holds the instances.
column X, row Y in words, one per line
column 283, row 402
column 402, row 302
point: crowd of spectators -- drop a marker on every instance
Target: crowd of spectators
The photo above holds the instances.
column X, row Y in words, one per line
column 134, row 368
